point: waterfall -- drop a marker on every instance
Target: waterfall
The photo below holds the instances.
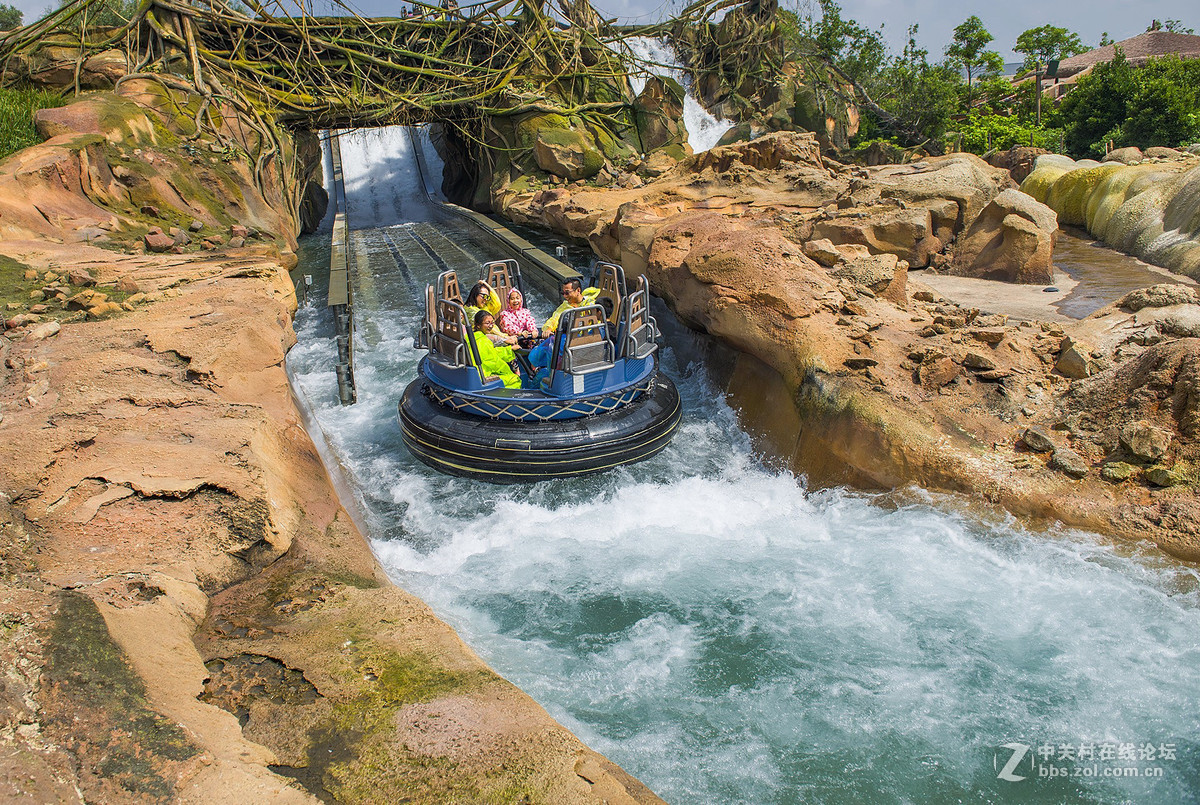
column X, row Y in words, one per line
column 703, row 128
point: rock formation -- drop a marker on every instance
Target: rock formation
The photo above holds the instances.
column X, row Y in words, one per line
column 1012, row 240
column 847, row 371
column 1150, row 209
column 190, row 614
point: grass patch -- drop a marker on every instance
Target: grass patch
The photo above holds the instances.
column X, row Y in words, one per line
column 16, row 116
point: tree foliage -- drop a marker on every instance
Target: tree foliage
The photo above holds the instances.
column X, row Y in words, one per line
column 968, row 49
column 1157, row 104
column 1047, row 43
column 10, row 17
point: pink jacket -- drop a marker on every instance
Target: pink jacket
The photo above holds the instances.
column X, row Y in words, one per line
column 517, row 321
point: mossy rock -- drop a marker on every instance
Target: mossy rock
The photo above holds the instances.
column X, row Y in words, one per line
column 95, row 705
column 1117, row 471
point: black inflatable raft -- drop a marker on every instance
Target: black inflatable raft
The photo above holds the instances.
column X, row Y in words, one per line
column 512, row 452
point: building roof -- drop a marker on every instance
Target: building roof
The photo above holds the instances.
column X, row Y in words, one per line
column 1137, row 50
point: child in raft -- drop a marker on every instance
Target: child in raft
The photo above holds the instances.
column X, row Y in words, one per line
column 493, row 360
column 516, row 319
column 483, row 296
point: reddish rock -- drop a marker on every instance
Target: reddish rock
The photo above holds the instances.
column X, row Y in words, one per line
column 158, row 242
column 937, row 373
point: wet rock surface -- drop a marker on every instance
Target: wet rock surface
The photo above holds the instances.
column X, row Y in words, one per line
column 888, row 387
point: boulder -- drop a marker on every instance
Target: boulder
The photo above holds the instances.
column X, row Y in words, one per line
column 127, row 284
column 1117, row 471
column 1165, row 476
column 978, row 363
column 43, row 331
column 906, row 232
column 1012, row 240
column 1037, row 440
column 873, row 271
column 1162, row 295
column 1017, row 161
column 1161, row 152
column 1075, row 360
column 1183, row 322
column 659, row 115
column 567, row 153
column 1068, row 461
column 1145, row 441
column 80, row 277
column 938, row 372
column 1130, row 155
column 823, row 251
column 84, row 300
column 158, row 242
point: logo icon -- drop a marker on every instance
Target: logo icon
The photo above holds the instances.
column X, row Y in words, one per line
column 1019, row 751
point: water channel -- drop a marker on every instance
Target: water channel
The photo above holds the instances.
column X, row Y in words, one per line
column 728, row 635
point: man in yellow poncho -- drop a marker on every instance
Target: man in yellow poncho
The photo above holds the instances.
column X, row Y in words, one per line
column 493, row 360
column 574, row 295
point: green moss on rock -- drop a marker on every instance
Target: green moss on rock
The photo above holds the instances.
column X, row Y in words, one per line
column 96, row 706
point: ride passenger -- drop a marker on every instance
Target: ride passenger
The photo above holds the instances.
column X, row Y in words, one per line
column 516, row 319
column 493, row 360
column 574, row 295
column 483, row 296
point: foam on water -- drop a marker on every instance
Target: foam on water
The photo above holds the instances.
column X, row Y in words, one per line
column 727, row 635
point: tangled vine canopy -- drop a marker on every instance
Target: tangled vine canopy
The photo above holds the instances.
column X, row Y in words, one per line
column 500, row 57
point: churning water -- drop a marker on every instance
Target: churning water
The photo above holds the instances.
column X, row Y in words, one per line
column 729, row 636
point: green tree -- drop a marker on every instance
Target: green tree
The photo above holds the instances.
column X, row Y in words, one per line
column 857, row 51
column 968, row 48
column 1105, row 39
column 922, row 96
column 1098, row 106
column 1165, row 106
column 10, row 17
column 1174, row 26
column 1044, row 44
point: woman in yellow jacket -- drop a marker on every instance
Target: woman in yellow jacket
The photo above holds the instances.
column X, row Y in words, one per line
column 483, row 296
column 493, row 360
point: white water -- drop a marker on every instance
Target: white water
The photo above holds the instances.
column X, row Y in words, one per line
column 728, row 636
column 703, row 128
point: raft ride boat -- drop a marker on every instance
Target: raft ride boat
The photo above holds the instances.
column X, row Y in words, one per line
column 604, row 404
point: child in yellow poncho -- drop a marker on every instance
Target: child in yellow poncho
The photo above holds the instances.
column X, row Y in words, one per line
column 493, row 360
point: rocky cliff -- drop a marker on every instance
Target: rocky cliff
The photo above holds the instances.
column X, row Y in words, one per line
column 189, row 613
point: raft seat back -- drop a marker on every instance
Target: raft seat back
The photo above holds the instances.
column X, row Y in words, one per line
column 585, row 346
column 447, row 287
column 610, row 280
column 452, row 344
column 503, row 276
column 429, row 325
column 639, row 328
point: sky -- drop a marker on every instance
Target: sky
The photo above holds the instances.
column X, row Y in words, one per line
column 1005, row 20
